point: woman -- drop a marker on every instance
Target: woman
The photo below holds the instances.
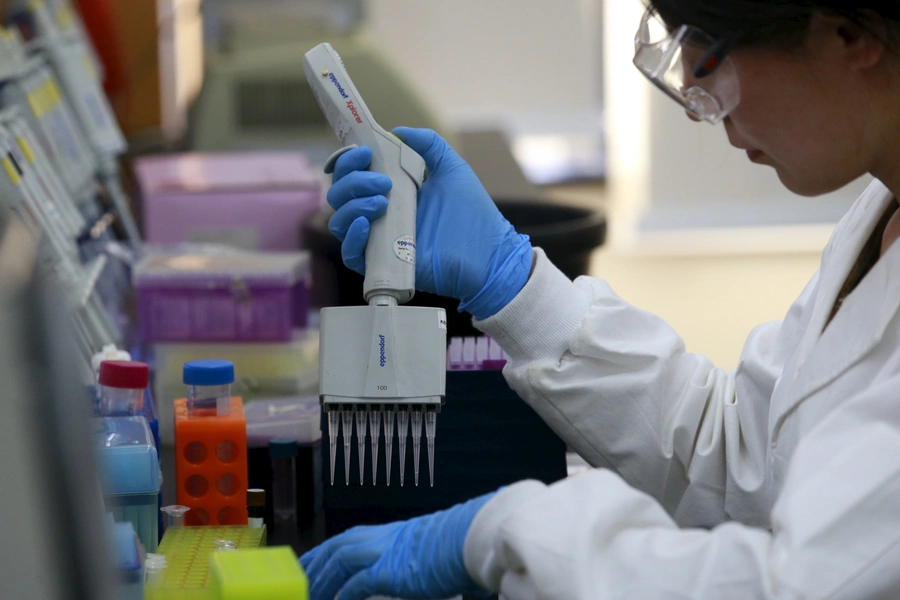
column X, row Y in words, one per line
column 780, row 479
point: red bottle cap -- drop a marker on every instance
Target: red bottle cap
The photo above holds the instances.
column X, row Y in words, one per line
column 124, row 374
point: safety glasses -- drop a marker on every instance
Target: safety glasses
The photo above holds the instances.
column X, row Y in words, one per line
column 690, row 66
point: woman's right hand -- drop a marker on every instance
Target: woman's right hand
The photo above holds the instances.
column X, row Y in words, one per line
column 465, row 248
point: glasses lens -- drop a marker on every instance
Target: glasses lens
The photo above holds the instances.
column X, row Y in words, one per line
column 702, row 104
column 653, row 30
column 670, row 60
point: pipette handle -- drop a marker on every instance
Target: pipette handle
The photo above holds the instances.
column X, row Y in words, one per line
column 391, row 250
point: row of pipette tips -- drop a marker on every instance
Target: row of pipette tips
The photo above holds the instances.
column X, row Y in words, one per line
column 343, row 421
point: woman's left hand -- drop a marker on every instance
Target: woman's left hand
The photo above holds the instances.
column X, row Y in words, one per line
column 419, row 558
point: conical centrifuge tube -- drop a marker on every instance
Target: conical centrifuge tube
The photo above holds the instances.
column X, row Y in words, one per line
column 374, row 436
column 174, row 515
column 417, row 441
column 334, row 418
column 347, row 426
column 402, row 428
column 361, row 443
column 430, row 426
column 389, row 441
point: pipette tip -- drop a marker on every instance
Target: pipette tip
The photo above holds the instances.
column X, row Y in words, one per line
column 361, row 443
column 375, row 436
column 430, row 426
column 333, row 426
column 402, row 429
column 388, row 442
column 347, row 426
column 417, row 442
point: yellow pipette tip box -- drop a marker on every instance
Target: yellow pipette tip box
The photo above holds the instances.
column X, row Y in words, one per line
column 187, row 550
column 271, row 573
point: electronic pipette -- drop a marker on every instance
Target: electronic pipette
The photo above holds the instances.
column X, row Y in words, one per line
column 382, row 361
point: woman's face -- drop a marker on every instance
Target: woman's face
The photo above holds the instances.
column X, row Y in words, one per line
column 805, row 112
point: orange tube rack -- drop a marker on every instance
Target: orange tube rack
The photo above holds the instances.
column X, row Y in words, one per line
column 211, row 464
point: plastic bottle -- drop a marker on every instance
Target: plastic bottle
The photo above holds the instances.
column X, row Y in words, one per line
column 209, row 385
column 122, row 385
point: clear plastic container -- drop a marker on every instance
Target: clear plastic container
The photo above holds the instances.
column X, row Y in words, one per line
column 251, row 199
column 120, row 402
column 222, row 296
column 174, row 515
column 209, row 396
column 122, row 384
column 298, row 419
column 154, row 568
column 209, row 385
column 224, row 546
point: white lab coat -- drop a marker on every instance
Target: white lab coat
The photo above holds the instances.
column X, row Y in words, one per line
column 780, row 479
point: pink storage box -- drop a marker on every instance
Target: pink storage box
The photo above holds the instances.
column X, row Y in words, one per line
column 230, row 296
column 252, row 200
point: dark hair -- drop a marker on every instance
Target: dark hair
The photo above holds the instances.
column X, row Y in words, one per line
column 779, row 23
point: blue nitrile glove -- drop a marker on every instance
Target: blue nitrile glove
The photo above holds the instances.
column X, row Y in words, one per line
column 465, row 248
column 421, row 558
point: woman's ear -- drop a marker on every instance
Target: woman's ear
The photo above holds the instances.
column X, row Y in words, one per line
column 860, row 44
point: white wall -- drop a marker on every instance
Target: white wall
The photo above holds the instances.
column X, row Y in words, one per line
column 476, row 59
column 713, row 302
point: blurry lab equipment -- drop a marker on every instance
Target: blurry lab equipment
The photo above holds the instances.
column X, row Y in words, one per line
column 249, row 200
column 44, row 439
column 256, row 97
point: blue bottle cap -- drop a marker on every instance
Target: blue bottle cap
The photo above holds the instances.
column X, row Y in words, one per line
column 282, row 448
column 208, row 372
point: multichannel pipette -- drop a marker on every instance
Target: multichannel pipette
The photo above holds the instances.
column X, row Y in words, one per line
column 381, row 358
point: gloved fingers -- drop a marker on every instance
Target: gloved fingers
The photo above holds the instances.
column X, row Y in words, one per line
column 427, row 144
column 309, row 558
column 361, row 586
column 371, row 208
column 357, row 159
column 358, row 184
column 347, row 562
column 314, row 560
column 353, row 250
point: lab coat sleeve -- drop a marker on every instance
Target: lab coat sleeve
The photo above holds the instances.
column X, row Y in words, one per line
column 835, row 531
column 616, row 383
